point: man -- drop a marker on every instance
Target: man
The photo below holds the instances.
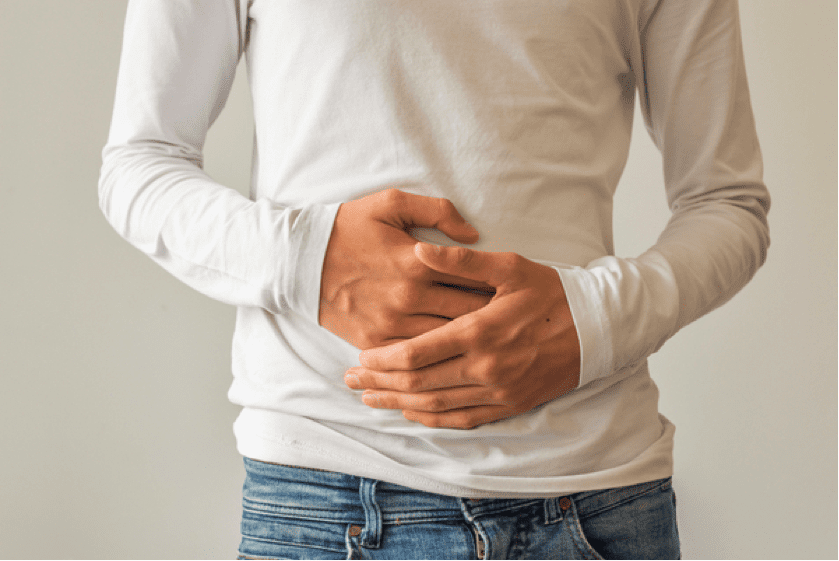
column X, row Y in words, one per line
column 405, row 399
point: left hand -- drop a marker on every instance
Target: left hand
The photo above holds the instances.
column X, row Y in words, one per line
column 514, row 354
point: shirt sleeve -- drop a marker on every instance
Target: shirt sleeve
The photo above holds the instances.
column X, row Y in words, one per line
column 177, row 66
column 694, row 97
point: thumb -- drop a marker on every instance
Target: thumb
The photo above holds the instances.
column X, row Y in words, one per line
column 482, row 266
column 432, row 212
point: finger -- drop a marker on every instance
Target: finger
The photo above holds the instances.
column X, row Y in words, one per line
column 464, row 419
column 411, row 326
column 447, row 374
column 450, row 302
column 432, row 347
column 430, row 212
column 453, row 282
column 428, row 402
column 490, row 268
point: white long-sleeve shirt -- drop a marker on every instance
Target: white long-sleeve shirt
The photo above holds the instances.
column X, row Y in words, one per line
column 520, row 113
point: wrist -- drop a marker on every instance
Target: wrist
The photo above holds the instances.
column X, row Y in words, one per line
column 590, row 321
column 300, row 275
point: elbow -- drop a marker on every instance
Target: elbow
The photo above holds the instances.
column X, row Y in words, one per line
column 108, row 191
column 737, row 216
column 139, row 184
column 756, row 202
column 750, row 210
column 120, row 190
column 106, row 186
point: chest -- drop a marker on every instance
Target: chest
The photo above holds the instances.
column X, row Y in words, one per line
column 497, row 46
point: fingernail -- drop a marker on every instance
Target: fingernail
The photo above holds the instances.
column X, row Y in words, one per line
column 430, row 248
column 352, row 380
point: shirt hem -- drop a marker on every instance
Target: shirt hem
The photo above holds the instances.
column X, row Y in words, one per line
column 255, row 440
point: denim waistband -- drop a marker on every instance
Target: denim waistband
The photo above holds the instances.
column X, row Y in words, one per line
column 337, row 497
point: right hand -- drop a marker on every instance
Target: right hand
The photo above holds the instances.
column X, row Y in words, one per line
column 374, row 290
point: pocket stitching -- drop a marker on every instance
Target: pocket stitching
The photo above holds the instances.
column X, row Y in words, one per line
column 580, row 540
column 291, row 544
column 629, row 498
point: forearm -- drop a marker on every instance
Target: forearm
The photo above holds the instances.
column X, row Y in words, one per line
column 238, row 251
column 695, row 101
column 625, row 309
column 177, row 66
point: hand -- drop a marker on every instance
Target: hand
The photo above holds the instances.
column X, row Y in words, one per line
column 374, row 289
column 507, row 358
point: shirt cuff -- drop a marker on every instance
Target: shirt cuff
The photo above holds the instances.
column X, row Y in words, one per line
column 308, row 236
column 591, row 320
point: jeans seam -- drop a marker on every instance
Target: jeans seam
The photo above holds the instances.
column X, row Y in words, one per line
column 295, row 515
column 623, row 500
column 572, row 518
column 525, row 504
column 293, row 544
column 255, row 504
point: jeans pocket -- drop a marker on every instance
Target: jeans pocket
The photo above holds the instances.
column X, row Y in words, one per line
column 584, row 549
column 640, row 526
column 266, row 536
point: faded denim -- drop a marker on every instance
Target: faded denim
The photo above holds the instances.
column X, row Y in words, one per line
column 294, row 513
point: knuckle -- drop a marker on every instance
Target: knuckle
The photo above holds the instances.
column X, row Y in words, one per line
column 509, row 260
column 392, row 196
column 446, row 207
column 367, row 341
column 436, row 403
column 470, row 329
column 489, row 368
column 461, row 375
column 410, row 383
column 408, row 267
column 480, row 335
column 409, row 356
column 432, row 421
column 504, row 396
column 463, row 420
column 414, row 268
column 387, row 323
column 404, row 295
column 498, row 395
column 462, row 255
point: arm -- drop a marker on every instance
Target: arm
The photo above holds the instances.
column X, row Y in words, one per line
column 178, row 63
column 695, row 100
column 177, row 66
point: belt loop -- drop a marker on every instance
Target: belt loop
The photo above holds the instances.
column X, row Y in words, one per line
column 371, row 536
column 483, row 546
column 553, row 512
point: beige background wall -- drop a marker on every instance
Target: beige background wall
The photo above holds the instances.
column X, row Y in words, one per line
column 115, row 431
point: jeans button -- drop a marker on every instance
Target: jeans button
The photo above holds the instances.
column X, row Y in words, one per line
column 564, row 503
column 355, row 530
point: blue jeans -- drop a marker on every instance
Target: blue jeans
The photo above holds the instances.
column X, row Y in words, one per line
column 295, row 513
